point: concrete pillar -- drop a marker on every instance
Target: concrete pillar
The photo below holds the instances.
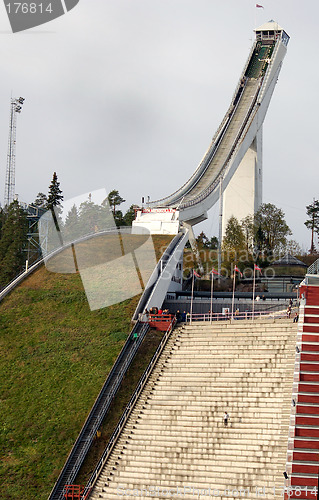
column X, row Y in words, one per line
column 243, row 195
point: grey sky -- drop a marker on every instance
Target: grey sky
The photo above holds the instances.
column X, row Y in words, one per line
column 127, row 94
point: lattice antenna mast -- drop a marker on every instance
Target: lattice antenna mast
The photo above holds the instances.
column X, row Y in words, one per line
column 16, row 107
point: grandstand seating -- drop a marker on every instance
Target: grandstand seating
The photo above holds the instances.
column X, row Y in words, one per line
column 175, row 436
column 303, row 453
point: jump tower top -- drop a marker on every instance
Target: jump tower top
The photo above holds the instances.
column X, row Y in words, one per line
column 231, row 169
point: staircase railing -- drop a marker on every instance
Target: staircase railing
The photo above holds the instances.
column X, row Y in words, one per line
column 128, row 410
column 98, row 411
column 314, row 268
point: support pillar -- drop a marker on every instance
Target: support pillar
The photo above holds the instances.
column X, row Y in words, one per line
column 243, row 195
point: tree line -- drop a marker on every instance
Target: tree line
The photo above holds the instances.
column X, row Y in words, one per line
column 262, row 235
column 14, row 232
column 88, row 217
column 265, row 233
column 258, row 238
column 13, row 240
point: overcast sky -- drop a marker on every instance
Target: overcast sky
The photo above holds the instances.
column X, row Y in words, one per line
column 127, row 94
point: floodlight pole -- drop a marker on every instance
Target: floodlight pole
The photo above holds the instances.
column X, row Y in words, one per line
column 9, row 193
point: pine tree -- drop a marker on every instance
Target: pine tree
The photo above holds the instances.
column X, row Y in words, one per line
column 94, row 218
column 12, row 243
column 1, row 220
column 71, row 228
column 202, row 240
column 213, row 243
column 54, row 201
column 55, row 196
column 313, row 222
column 114, row 200
column 40, row 201
column 118, row 218
column 129, row 216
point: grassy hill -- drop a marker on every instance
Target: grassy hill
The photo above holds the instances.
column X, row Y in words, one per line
column 54, row 357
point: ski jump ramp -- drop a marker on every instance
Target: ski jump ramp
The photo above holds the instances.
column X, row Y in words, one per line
column 234, row 157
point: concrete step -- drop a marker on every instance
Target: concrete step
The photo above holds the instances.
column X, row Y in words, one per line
column 175, row 434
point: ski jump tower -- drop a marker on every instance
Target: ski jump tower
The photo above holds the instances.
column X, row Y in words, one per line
column 231, row 169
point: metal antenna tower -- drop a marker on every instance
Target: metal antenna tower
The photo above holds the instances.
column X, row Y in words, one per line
column 16, row 106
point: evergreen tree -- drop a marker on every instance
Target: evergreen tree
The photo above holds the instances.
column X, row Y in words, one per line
column 1, row 220
column 313, row 222
column 118, row 218
column 54, row 201
column 71, row 228
column 12, row 243
column 40, row 201
column 114, row 200
column 129, row 216
column 202, row 240
column 55, row 196
column 213, row 243
column 93, row 218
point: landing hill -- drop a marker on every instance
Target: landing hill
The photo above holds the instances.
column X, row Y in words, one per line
column 55, row 354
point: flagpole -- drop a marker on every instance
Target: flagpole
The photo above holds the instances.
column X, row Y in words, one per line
column 254, row 292
column 232, row 304
column 192, row 298
column 211, row 297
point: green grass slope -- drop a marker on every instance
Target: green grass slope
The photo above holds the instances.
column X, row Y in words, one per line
column 55, row 355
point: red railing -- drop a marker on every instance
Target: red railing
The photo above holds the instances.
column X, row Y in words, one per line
column 160, row 321
column 74, row 492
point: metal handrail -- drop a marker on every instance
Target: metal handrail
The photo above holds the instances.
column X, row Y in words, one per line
column 123, row 420
column 158, row 270
column 96, row 415
column 20, row 277
column 247, row 315
column 314, row 268
column 215, row 138
column 207, row 158
column 248, row 118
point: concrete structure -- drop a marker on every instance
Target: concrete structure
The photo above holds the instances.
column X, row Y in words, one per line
column 303, row 444
column 243, row 195
column 175, row 438
column 158, row 220
column 166, row 277
column 232, row 164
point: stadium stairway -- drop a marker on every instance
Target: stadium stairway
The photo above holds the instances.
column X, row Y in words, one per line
column 303, row 452
column 175, row 443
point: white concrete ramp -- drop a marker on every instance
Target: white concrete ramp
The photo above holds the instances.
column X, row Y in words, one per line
column 175, row 444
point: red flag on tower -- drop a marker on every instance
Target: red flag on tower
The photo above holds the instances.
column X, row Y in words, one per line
column 259, row 6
